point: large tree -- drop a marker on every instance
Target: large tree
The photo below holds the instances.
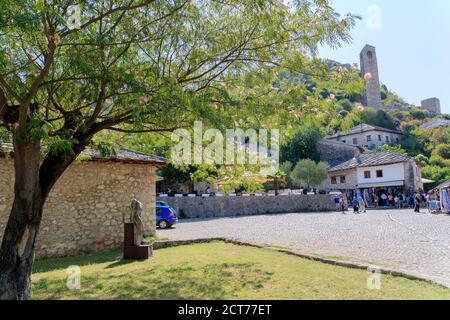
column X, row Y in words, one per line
column 128, row 66
column 308, row 173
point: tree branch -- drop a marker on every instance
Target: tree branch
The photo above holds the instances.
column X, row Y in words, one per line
column 106, row 14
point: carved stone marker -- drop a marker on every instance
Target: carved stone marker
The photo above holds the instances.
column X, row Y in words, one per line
column 134, row 248
column 136, row 213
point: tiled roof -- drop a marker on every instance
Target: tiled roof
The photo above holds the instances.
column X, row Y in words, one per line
column 371, row 159
column 122, row 155
column 363, row 128
column 126, row 155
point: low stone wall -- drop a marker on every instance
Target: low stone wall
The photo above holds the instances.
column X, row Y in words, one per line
column 205, row 207
column 84, row 212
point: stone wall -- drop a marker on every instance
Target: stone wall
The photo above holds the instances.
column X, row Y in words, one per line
column 84, row 212
column 334, row 153
column 200, row 207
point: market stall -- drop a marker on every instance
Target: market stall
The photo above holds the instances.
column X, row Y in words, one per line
column 444, row 196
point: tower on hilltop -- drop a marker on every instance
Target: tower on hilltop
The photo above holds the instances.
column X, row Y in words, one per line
column 369, row 71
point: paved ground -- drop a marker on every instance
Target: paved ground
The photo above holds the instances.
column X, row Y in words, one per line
column 417, row 244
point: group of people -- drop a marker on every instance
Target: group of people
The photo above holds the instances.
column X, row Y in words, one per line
column 400, row 201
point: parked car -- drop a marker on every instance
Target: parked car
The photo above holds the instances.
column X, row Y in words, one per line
column 161, row 204
column 166, row 216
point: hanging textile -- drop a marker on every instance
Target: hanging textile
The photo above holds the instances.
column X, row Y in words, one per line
column 445, row 200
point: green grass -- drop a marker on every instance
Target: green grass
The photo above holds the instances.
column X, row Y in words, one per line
column 218, row 271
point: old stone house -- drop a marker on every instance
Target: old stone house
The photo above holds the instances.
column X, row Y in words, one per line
column 368, row 136
column 84, row 212
column 376, row 170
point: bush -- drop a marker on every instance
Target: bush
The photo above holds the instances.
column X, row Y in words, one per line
column 436, row 161
column 438, row 174
column 442, row 150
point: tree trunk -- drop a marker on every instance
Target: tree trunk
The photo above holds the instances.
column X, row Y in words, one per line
column 33, row 182
column 16, row 252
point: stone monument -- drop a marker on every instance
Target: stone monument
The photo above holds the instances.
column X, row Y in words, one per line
column 369, row 71
column 135, row 247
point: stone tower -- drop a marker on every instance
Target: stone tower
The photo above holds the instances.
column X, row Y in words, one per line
column 432, row 105
column 369, row 71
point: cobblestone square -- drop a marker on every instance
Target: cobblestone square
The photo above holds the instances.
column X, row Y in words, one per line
column 417, row 244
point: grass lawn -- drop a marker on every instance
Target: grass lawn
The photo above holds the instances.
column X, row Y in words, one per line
column 218, row 271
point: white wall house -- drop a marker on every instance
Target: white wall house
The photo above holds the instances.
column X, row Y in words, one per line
column 384, row 175
column 376, row 170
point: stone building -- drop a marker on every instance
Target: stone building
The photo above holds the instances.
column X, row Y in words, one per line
column 432, row 105
column 368, row 136
column 378, row 171
column 369, row 71
column 85, row 210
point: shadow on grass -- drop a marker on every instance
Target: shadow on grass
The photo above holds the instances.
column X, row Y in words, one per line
column 62, row 263
column 210, row 281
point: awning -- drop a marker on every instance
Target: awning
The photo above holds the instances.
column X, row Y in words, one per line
column 427, row 181
column 382, row 184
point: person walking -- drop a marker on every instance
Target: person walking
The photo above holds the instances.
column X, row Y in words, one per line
column 337, row 202
column 355, row 205
column 384, row 199
column 342, row 204
column 362, row 205
column 417, row 202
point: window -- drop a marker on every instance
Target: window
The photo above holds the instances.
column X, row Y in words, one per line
column 379, row 137
column 344, row 141
column 369, row 54
column 369, row 138
column 343, row 179
column 333, row 180
column 379, row 173
column 355, row 140
column 367, row 175
column 387, row 139
column 397, row 140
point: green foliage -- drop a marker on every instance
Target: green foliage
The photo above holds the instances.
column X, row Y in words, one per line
column 286, row 169
column 152, row 66
column 442, row 150
column 174, row 174
column 393, row 148
column 436, row 173
column 302, row 145
column 390, row 98
column 436, row 160
column 4, row 135
column 378, row 118
column 308, row 173
column 241, row 184
column 205, row 173
column 422, row 159
column 417, row 141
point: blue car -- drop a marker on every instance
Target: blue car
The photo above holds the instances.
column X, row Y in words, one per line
column 166, row 216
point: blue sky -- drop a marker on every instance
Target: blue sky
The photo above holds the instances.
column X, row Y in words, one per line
column 412, row 38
